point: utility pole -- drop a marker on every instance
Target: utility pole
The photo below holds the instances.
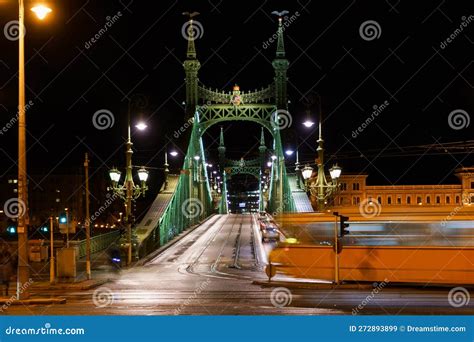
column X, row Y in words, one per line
column 23, row 219
column 87, row 221
column 51, row 258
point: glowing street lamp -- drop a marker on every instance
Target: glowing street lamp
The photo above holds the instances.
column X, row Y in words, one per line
column 307, row 172
column 141, row 126
column 335, row 172
column 173, row 153
column 41, row 11
column 308, row 123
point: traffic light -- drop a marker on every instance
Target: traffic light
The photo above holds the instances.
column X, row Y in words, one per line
column 343, row 225
column 63, row 218
column 63, row 222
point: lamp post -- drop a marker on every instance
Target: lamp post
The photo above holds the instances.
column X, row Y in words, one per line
column 128, row 191
column 23, row 220
column 321, row 189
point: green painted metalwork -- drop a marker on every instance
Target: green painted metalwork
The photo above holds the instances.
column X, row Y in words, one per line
column 223, row 207
column 261, row 114
column 192, row 202
column 98, row 243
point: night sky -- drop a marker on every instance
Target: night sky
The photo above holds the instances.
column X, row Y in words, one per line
column 141, row 54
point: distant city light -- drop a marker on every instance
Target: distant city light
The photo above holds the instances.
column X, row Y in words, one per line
column 274, row 157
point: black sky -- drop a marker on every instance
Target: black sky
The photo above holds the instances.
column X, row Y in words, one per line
column 142, row 53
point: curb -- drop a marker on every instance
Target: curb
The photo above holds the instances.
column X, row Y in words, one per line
column 82, row 285
column 40, row 301
column 353, row 286
column 316, row 286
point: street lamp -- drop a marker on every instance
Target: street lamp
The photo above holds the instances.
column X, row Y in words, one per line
column 23, row 219
column 128, row 191
column 321, row 188
column 307, row 172
column 141, row 126
column 335, row 172
column 41, row 11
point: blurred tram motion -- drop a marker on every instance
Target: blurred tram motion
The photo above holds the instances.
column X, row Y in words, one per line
column 398, row 252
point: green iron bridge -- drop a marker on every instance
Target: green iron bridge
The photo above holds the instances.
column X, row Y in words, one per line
column 187, row 199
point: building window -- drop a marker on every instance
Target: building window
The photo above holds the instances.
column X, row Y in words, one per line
column 355, row 186
column 438, row 199
column 389, row 200
column 343, row 186
column 448, row 199
column 379, row 199
column 358, row 200
column 408, row 199
column 428, row 199
column 472, row 185
column 418, row 200
column 399, row 200
column 341, row 200
column 457, row 199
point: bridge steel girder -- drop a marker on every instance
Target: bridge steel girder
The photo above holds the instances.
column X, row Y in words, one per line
column 261, row 114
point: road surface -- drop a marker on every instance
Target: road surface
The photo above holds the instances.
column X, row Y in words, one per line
column 210, row 272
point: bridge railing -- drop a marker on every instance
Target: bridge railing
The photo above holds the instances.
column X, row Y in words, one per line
column 191, row 201
column 98, row 243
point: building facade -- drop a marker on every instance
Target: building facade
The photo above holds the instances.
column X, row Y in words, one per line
column 354, row 189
